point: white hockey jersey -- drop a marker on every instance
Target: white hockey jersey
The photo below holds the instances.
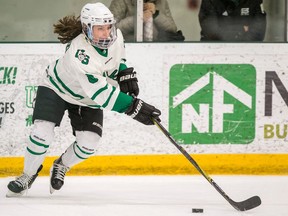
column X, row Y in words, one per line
column 82, row 75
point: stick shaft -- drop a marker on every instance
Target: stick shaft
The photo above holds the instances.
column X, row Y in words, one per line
column 194, row 163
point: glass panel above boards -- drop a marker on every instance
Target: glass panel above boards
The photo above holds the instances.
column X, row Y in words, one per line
column 164, row 20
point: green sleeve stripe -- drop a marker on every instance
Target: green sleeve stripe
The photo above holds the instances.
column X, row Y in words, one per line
column 99, row 92
column 123, row 102
column 77, row 154
column 63, row 84
column 53, row 82
column 109, row 98
column 35, row 153
column 37, row 143
column 122, row 66
column 84, row 152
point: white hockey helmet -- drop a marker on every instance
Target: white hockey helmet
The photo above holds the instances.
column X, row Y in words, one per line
column 98, row 14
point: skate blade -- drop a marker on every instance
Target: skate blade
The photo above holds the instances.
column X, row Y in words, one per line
column 51, row 190
column 10, row 194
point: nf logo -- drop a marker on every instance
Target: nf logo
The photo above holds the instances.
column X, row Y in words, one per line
column 212, row 104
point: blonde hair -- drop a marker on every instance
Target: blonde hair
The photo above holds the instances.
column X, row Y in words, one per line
column 68, row 28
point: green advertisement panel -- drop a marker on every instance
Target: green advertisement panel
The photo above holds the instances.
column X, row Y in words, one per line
column 212, row 103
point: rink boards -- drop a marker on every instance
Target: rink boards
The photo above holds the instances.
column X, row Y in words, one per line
column 226, row 103
column 222, row 164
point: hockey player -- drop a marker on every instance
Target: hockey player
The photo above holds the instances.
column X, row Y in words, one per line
column 80, row 83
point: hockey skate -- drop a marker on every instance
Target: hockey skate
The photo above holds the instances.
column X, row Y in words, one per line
column 21, row 184
column 57, row 175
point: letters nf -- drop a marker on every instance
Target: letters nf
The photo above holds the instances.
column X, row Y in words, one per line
column 212, row 104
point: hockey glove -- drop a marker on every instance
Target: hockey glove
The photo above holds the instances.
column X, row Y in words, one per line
column 143, row 112
column 128, row 82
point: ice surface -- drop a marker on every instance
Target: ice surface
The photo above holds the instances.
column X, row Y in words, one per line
column 147, row 196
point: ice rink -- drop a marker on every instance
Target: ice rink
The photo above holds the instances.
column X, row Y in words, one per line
column 148, row 196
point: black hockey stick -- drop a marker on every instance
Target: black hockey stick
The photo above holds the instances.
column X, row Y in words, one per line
column 240, row 206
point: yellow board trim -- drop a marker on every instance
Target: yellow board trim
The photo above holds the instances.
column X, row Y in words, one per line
column 220, row 164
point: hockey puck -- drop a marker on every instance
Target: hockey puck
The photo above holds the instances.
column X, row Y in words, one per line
column 197, row 210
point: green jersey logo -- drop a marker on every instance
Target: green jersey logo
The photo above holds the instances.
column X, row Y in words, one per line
column 82, row 56
column 212, row 103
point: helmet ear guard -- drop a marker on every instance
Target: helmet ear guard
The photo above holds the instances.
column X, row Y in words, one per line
column 98, row 14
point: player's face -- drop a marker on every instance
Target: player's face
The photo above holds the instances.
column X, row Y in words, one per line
column 101, row 32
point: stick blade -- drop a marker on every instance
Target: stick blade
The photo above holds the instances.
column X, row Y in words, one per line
column 248, row 204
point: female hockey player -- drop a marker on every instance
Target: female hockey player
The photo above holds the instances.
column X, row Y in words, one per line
column 80, row 83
